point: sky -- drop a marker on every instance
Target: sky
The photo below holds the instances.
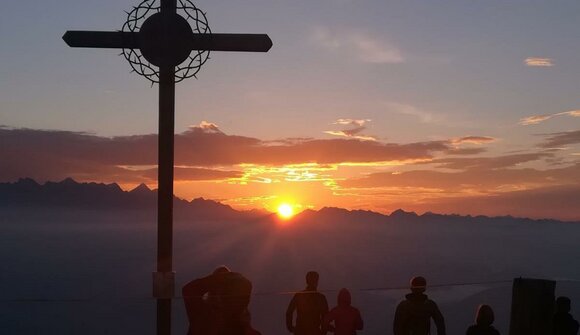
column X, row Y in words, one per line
column 445, row 106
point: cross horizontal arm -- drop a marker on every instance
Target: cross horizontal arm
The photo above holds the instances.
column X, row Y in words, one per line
column 129, row 40
column 101, row 39
column 231, row 42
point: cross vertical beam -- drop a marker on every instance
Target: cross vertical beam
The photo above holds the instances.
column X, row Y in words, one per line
column 165, row 194
column 165, row 188
column 169, row 5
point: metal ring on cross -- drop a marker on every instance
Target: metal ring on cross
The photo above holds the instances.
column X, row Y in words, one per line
column 154, row 28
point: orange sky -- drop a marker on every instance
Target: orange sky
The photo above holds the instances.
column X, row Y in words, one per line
column 456, row 175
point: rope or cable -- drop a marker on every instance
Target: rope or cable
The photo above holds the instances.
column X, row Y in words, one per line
column 390, row 288
column 272, row 293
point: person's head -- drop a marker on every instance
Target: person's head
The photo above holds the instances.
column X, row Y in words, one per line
column 484, row 316
column 214, row 295
column 418, row 284
column 312, row 280
column 344, row 298
column 563, row 305
column 221, row 270
column 230, row 290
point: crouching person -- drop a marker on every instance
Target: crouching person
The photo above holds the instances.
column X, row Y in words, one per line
column 218, row 304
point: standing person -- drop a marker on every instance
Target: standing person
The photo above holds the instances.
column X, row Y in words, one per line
column 483, row 322
column 564, row 323
column 218, row 304
column 347, row 319
column 413, row 315
column 310, row 306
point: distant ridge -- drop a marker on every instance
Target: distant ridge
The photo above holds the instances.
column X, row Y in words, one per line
column 26, row 193
column 399, row 216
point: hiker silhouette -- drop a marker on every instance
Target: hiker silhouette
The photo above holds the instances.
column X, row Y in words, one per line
column 413, row 315
column 310, row 306
column 483, row 322
column 563, row 322
column 343, row 319
column 218, row 304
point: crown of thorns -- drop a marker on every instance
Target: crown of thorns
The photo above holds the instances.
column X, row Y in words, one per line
column 191, row 66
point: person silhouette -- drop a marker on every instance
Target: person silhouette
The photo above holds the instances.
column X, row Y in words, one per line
column 413, row 315
column 247, row 324
column 483, row 322
column 310, row 306
column 563, row 322
column 218, row 304
column 347, row 319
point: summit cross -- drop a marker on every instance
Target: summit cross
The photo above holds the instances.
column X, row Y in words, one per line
column 166, row 39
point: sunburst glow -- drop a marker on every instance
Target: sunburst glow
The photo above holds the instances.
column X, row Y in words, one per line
column 285, row 211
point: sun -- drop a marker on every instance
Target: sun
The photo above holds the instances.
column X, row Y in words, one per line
column 285, row 211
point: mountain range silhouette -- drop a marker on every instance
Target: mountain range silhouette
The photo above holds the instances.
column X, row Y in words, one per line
column 27, row 194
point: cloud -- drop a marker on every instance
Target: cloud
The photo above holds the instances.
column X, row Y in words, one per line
column 352, row 122
column 559, row 202
column 558, row 140
column 351, row 133
column 50, row 155
column 465, row 151
column 487, row 163
column 372, row 50
column 354, row 132
column 195, row 174
column 405, row 109
column 474, row 140
column 469, row 140
column 202, row 149
column 207, row 127
column 485, row 180
column 539, row 62
column 364, row 46
column 525, row 192
column 536, row 119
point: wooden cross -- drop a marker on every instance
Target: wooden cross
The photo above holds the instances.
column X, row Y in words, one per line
column 165, row 40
